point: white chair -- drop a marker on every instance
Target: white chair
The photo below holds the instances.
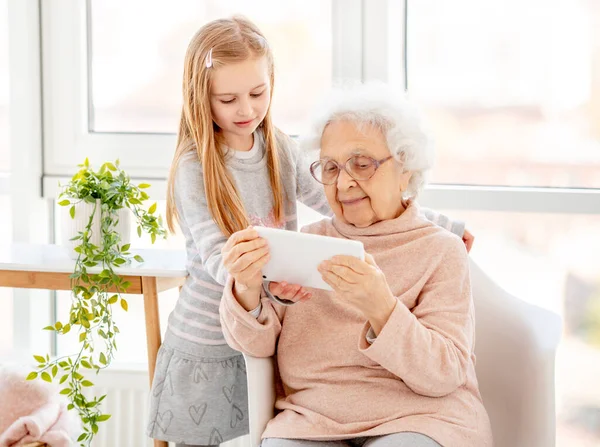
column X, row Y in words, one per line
column 515, row 347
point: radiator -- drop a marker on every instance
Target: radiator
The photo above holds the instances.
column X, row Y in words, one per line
column 126, row 401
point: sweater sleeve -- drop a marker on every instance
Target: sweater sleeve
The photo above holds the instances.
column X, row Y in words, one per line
column 308, row 191
column 441, row 220
column 430, row 347
column 194, row 215
column 246, row 333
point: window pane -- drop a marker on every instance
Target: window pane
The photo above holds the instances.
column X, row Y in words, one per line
column 552, row 261
column 6, row 301
column 4, row 152
column 511, row 89
column 136, row 65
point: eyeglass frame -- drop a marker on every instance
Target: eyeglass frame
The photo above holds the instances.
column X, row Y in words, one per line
column 376, row 162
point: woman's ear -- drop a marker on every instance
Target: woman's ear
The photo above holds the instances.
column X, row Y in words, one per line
column 405, row 177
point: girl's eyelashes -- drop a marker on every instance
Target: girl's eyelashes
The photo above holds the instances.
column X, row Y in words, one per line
column 252, row 95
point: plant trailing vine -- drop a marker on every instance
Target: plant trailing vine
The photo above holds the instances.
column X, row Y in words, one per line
column 93, row 295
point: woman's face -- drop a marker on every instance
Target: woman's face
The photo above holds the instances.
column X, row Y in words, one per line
column 362, row 203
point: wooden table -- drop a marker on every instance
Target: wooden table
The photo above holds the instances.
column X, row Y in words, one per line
column 32, row 266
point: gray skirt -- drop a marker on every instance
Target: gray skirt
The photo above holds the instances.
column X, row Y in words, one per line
column 198, row 400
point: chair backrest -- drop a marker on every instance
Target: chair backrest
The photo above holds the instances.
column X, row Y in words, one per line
column 515, row 346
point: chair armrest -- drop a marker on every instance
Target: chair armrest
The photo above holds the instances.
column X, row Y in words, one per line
column 261, row 395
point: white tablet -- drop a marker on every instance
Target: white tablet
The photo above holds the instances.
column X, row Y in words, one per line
column 295, row 256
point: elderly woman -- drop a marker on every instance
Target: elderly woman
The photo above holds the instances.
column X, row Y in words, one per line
column 387, row 358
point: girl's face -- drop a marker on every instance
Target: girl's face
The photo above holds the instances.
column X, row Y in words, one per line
column 240, row 95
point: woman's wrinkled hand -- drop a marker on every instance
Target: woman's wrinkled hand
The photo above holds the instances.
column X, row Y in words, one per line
column 359, row 283
column 244, row 256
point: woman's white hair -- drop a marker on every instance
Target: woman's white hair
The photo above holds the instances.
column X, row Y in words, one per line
column 379, row 105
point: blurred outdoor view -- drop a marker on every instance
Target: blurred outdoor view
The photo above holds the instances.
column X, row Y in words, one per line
column 510, row 88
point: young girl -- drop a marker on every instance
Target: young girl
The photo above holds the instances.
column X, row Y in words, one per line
column 232, row 168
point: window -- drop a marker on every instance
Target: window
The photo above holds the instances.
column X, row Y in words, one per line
column 6, row 302
column 511, row 89
column 136, row 70
column 551, row 260
column 4, row 135
column 112, row 82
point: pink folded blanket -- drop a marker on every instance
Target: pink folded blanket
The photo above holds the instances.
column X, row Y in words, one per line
column 33, row 411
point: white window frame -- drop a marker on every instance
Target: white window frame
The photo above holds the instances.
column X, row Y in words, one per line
column 384, row 58
column 67, row 140
column 43, row 154
column 30, row 212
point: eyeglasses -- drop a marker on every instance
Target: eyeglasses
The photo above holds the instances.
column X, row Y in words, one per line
column 359, row 167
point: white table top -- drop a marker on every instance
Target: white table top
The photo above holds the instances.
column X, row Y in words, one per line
column 54, row 259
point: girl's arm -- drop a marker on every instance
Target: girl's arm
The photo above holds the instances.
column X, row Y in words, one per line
column 441, row 220
column 195, row 219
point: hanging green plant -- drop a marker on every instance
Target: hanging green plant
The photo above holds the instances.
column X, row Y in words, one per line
column 106, row 193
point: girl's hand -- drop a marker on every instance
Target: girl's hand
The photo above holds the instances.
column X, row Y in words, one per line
column 290, row 292
column 244, row 256
column 361, row 284
column 468, row 239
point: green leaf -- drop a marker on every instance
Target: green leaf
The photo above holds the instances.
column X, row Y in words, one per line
column 63, row 379
column 102, row 358
column 86, row 383
column 139, row 231
column 113, row 299
column 124, row 305
column 82, row 337
column 32, row 376
column 153, row 237
column 66, row 328
column 54, row 371
column 86, row 163
column 126, row 285
column 46, row 377
column 103, row 417
column 82, row 437
column 86, row 364
column 72, row 212
column 125, row 247
column 49, row 328
column 111, row 166
column 138, row 258
column 39, row 359
column 144, row 185
column 64, row 202
column 65, row 391
column 58, row 326
column 152, row 208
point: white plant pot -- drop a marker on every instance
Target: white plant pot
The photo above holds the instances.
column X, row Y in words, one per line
column 70, row 227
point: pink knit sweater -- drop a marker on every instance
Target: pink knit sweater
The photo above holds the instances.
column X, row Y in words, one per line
column 419, row 373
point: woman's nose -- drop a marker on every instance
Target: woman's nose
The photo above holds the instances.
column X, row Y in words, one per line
column 344, row 180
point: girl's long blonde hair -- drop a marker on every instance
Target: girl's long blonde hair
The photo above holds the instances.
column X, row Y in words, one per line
column 231, row 41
